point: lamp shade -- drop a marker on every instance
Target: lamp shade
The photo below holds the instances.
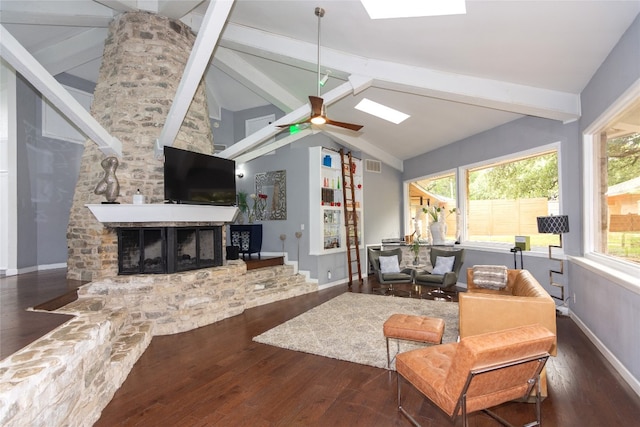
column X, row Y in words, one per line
column 555, row 224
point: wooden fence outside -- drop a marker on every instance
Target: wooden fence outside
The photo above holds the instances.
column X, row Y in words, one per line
column 521, row 218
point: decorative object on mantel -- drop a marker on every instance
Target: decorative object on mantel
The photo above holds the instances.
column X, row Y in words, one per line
column 283, row 237
column 109, row 185
column 274, row 186
column 555, row 224
column 138, row 198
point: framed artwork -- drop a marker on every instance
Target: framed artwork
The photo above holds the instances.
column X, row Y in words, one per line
column 274, row 186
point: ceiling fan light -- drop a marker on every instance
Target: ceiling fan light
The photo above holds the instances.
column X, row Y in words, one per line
column 318, row 120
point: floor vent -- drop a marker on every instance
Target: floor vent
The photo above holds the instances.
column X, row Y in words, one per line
column 371, row 165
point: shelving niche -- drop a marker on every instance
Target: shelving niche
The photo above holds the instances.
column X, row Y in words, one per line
column 326, row 204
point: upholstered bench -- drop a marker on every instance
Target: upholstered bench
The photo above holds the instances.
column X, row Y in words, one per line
column 412, row 328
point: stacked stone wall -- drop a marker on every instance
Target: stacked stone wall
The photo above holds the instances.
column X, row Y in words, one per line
column 143, row 62
column 69, row 376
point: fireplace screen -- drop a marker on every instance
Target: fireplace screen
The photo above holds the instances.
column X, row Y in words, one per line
column 141, row 250
column 168, row 250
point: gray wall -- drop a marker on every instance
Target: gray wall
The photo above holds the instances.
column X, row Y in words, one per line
column 381, row 215
column 607, row 309
column 610, row 311
column 47, row 175
column 519, row 135
column 223, row 133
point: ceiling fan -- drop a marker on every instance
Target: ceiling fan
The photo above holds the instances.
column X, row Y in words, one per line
column 318, row 115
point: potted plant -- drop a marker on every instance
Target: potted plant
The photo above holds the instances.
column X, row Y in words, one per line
column 415, row 248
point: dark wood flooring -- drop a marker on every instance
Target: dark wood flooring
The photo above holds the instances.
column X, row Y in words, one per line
column 19, row 327
column 217, row 376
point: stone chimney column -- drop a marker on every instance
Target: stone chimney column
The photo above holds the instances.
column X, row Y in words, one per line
column 143, row 61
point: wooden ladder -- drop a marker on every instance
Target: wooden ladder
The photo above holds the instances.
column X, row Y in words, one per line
column 350, row 215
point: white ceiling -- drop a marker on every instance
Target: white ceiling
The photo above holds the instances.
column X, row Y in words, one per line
column 455, row 75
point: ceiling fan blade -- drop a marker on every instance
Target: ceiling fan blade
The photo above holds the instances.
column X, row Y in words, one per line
column 294, row 124
column 350, row 126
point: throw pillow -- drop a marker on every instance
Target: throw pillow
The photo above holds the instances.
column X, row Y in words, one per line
column 490, row 276
column 389, row 264
column 444, row 264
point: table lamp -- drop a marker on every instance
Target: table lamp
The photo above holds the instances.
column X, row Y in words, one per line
column 555, row 224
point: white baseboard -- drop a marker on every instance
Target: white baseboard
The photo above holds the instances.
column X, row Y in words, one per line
column 617, row 365
column 331, row 284
column 9, row 272
column 33, row 268
column 52, row 266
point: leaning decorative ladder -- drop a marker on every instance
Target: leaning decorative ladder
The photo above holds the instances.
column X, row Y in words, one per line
column 350, row 215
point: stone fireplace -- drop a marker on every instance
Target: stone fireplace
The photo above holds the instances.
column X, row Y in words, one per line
column 143, row 62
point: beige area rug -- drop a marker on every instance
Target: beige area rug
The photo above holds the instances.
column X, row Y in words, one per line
column 349, row 327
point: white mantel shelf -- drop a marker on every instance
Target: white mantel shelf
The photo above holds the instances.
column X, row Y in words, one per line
column 159, row 213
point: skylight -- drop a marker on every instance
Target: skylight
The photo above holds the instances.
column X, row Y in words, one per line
column 382, row 111
column 383, row 9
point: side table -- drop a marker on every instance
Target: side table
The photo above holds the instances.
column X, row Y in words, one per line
column 248, row 237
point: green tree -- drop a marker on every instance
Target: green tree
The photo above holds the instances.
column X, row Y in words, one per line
column 624, row 158
column 527, row 178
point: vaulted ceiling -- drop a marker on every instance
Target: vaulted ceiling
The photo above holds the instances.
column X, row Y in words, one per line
column 455, row 75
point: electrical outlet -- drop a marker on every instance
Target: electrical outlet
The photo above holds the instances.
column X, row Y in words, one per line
column 301, row 226
column 329, row 274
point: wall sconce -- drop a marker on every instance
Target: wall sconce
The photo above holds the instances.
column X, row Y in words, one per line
column 558, row 224
column 240, row 172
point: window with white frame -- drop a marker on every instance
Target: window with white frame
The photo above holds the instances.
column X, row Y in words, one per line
column 613, row 162
column 504, row 197
column 435, row 195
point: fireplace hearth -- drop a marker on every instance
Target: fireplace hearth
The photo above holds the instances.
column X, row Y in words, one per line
column 163, row 250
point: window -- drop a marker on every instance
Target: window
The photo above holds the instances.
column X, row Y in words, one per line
column 505, row 197
column 616, row 155
column 434, row 192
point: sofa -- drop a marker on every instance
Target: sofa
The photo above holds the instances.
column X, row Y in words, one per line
column 523, row 301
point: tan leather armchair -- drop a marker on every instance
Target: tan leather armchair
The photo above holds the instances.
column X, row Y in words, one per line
column 478, row 372
column 522, row 302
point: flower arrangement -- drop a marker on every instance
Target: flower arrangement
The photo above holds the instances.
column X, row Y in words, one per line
column 259, row 205
column 436, row 212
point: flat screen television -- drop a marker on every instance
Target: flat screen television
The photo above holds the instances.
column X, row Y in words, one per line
column 195, row 178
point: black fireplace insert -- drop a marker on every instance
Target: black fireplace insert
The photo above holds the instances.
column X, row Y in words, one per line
column 149, row 250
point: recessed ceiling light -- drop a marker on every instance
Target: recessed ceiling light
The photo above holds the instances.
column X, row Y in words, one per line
column 382, row 9
column 382, row 111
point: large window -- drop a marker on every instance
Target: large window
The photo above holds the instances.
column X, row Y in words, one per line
column 433, row 193
column 616, row 153
column 504, row 198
